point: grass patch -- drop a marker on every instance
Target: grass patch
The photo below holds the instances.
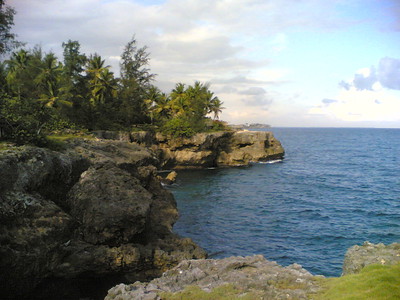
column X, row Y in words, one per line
column 224, row 292
column 57, row 142
column 374, row 282
column 4, row 145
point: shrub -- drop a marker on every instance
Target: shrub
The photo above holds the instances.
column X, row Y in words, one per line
column 178, row 127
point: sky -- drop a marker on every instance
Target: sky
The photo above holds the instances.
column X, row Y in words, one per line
column 296, row 63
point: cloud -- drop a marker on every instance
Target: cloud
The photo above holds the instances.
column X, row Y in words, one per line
column 389, row 73
column 345, row 85
column 218, row 41
column 386, row 75
column 360, row 106
column 328, row 101
column 254, row 91
column 365, row 79
column 256, row 96
column 241, row 79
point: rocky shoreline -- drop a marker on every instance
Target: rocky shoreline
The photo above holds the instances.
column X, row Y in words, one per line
column 251, row 277
column 205, row 150
column 96, row 214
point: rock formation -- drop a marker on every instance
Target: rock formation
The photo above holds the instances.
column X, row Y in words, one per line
column 206, row 150
column 93, row 215
column 357, row 257
column 252, row 275
column 96, row 213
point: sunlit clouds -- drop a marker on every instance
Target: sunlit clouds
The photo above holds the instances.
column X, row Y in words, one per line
column 273, row 62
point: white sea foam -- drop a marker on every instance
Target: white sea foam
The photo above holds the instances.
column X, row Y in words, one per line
column 271, row 161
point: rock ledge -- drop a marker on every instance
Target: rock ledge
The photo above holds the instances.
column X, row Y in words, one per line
column 254, row 274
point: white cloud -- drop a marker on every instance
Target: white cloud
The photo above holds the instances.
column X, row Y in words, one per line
column 209, row 40
column 358, row 106
column 387, row 75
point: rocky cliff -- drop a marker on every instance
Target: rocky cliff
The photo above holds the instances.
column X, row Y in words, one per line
column 93, row 215
column 206, row 150
column 254, row 277
column 357, row 257
column 251, row 277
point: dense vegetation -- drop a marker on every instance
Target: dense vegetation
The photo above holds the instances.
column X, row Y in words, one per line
column 40, row 93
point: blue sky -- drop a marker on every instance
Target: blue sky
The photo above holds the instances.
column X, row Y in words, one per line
column 281, row 62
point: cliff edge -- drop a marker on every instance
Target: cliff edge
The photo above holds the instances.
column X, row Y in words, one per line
column 254, row 277
column 89, row 217
column 206, row 150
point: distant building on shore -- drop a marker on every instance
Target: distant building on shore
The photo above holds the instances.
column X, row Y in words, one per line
column 250, row 126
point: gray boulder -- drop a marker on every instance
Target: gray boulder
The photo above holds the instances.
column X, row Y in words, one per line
column 357, row 257
column 252, row 274
column 91, row 216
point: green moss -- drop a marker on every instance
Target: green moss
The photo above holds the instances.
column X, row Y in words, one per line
column 225, row 292
column 374, row 282
column 286, row 284
column 58, row 141
column 4, row 145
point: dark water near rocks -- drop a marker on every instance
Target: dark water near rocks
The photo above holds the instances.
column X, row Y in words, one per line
column 334, row 189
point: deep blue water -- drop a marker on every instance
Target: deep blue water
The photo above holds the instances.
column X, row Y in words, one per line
column 334, row 189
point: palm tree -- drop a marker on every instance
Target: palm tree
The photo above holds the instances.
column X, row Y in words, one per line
column 157, row 104
column 16, row 65
column 101, row 80
column 179, row 99
column 216, row 107
column 48, row 81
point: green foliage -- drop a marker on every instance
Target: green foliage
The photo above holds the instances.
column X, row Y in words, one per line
column 135, row 82
column 374, row 282
column 178, row 127
column 58, row 141
column 218, row 125
column 39, row 93
column 7, row 38
column 22, row 121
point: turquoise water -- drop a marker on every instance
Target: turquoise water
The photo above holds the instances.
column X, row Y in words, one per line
column 334, row 189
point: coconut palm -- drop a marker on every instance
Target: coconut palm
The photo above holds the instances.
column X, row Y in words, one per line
column 179, row 99
column 102, row 83
column 48, row 81
column 216, row 107
column 17, row 64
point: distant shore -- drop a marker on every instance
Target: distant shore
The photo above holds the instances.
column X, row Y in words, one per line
column 249, row 126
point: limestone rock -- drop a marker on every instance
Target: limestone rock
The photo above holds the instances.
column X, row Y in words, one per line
column 77, row 222
column 215, row 149
column 111, row 205
column 254, row 274
column 357, row 257
column 169, row 179
column 250, row 146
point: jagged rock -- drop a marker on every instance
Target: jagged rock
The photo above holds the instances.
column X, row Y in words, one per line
column 111, row 205
column 169, row 179
column 250, row 146
column 215, row 149
column 93, row 215
column 357, row 257
column 254, row 274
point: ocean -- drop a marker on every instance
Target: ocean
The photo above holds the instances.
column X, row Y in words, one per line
column 336, row 187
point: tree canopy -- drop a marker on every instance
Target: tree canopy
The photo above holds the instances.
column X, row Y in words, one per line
column 7, row 38
column 40, row 93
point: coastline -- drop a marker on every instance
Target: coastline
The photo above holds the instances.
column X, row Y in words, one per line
column 96, row 212
column 136, row 252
